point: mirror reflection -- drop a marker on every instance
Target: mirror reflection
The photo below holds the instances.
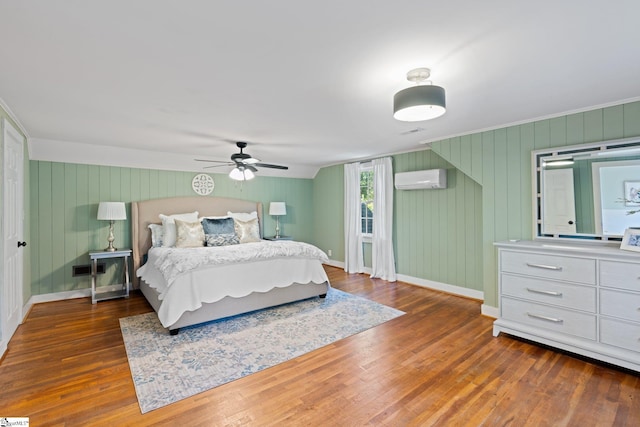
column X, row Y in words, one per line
column 589, row 191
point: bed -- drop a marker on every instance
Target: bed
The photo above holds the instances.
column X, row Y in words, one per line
column 189, row 296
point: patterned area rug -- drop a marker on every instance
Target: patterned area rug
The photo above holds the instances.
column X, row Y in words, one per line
column 166, row 369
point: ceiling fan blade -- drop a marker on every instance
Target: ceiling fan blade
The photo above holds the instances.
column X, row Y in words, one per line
column 267, row 165
column 212, row 161
column 218, row 166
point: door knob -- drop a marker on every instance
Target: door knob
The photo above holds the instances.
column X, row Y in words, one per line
column 22, row 244
column 570, row 222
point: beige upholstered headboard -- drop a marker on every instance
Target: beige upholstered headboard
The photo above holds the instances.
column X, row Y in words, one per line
column 146, row 212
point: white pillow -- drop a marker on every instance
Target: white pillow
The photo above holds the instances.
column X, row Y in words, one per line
column 242, row 216
column 169, row 226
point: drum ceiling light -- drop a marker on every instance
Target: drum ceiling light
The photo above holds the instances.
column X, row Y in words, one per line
column 420, row 102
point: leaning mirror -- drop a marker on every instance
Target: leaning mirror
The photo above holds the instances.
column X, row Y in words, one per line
column 589, row 192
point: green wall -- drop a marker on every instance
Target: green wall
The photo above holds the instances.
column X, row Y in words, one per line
column 500, row 161
column 437, row 233
column 65, row 196
column 328, row 203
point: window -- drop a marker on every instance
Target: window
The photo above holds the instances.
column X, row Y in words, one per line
column 366, row 200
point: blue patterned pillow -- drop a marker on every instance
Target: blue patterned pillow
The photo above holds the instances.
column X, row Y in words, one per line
column 157, row 234
column 218, row 226
column 221, row 239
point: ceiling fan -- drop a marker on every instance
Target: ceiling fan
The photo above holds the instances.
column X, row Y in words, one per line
column 245, row 165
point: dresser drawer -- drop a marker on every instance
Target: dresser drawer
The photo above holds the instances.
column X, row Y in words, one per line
column 620, row 334
column 624, row 305
column 550, row 292
column 579, row 270
column 582, row 325
column 622, row 275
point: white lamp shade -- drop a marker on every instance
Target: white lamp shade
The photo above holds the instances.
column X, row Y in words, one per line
column 277, row 208
column 112, row 211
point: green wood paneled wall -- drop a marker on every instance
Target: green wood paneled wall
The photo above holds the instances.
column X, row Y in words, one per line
column 437, row 233
column 328, row 202
column 501, row 163
column 64, row 198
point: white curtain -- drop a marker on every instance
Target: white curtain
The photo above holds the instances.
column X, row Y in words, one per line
column 382, row 258
column 353, row 260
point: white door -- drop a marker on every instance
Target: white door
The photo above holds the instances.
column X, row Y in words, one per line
column 13, row 231
column 559, row 209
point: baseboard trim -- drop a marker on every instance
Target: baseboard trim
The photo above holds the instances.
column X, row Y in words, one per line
column 334, row 263
column 487, row 310
column 3, row 349
column 55, row 296
column 443, row 287
column 430, row 284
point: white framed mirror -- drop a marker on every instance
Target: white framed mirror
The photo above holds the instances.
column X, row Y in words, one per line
column 588, row 192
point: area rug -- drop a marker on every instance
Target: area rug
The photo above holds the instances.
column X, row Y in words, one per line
column 166, row 369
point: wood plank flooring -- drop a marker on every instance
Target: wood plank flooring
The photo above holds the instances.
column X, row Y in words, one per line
column 436, row 365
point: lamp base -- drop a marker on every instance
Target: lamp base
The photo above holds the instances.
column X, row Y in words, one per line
column 110, row 248
column 277, row 236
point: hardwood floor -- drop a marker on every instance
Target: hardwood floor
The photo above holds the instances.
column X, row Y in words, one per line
column 436, row 365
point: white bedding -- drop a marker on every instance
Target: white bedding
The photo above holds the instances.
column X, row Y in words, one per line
column 186, row 278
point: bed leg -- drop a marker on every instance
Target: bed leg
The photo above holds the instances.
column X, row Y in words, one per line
column 322, row 295
column 174, row 331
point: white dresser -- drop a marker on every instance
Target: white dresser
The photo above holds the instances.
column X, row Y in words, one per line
column 578, row 297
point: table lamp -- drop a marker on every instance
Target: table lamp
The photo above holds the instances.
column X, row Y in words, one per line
column 277, row 209
column 111, row 211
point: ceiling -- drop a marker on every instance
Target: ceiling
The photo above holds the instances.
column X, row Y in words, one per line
column 307, row 84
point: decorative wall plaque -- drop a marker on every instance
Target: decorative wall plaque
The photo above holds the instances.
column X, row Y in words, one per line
column 202, row 184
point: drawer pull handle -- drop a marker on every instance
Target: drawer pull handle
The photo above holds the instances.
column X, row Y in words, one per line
column 552, row 293
column 548, row 319
column 545, row 267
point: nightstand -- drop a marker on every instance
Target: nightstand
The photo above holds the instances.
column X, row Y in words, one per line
column 113, row 290
column 278, row 238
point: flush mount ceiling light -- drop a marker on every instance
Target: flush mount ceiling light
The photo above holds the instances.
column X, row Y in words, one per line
column 420, row 102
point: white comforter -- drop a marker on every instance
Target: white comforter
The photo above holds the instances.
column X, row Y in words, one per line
column 187, row 277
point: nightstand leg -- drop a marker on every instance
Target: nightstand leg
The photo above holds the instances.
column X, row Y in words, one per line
column 127, row 280
column 94, row 273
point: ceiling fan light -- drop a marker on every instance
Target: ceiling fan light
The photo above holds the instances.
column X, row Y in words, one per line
column 241, row 174
column 419, row 103
column 236, row 174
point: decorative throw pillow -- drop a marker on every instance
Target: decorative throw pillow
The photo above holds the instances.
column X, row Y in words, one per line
column 218, row 225
column 156, row 235
column 243, row 216
column 247, row 231
column 169, row 226
column 189, row 234
column 221, row 239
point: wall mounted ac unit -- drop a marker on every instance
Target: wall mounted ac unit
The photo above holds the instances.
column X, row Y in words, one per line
column 420, row 180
